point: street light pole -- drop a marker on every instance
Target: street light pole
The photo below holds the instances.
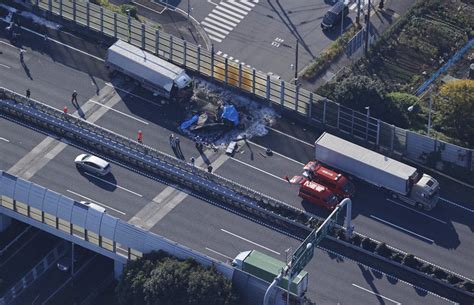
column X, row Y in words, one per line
column 296, row 60
column 367, row 122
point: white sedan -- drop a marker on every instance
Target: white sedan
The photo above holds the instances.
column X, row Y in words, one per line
column 92, row 164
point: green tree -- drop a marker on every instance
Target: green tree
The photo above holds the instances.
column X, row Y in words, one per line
column 159, row 279
column 456, row 106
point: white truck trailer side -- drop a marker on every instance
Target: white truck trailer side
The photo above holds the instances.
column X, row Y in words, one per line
column 401, row 180
column 152, row 72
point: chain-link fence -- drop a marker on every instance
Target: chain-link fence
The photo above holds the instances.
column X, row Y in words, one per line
column 306, row 106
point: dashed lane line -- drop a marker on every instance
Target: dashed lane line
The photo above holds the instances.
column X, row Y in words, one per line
column 95, row 201
column 377, row 294
column 403, row 229
column 113, row 184
column 416, row 211
column 249, row 241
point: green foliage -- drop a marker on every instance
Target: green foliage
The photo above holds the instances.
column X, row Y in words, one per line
column 411, row 261
column 356, row 239
column 469, row 286
column 453, row 279
column 368, row 244
column 440, row 273
column 427, row 268
column 383, row 250
column 456, row 108
column 131, row 8
column 329, row 55
column 160, row 279
column 397, row 105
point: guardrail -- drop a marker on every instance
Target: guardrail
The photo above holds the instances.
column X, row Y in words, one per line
column 146, row 158
column 307, row 106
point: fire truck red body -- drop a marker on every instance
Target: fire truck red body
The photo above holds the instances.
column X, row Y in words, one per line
column 337, row 183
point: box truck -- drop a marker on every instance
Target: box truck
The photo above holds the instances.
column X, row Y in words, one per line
column 267, row 268
column 398, row 179
column 151, row 72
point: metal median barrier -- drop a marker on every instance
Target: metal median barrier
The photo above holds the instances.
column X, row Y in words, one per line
column 148, row 159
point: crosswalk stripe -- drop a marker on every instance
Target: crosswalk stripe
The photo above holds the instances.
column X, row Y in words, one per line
column 214, row 27
column 226, row 11
column 222, row 19
column 233, row 8
column 240, row 5
column 224, row 16
column 215, row 38
column 214, row 33
column 218, row 24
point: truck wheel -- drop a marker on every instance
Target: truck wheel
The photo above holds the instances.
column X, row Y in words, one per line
column 419, row 206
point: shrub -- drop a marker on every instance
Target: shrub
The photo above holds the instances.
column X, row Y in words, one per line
column 453, row 279
column 368, row 244
column 356, row 239
column 383, row 250
column 410, row 261
column 427, row 268
column 469, row 286
column 440, row 274
column 131, row 8
column 397, row 257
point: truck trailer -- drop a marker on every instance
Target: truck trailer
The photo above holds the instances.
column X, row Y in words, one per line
column 398, row 179
column 151, row 72
column 267, row 268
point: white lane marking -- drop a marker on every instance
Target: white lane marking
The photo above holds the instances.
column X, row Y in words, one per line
column 416, row 211
column 236, row 3
column 6, row 140
column 211, row 15
column 403, row 229
column 127, row 115
column 215, row 23
column 110, row 183
column 134, row 95
column 5, row 66
column 457, row 205
column 256, row 168
column 95, row 201
column 377, row 294
column 218, row 253
column 249, row 241
column 275, row 153
column 291, row 137
column 7, row 44
column 63, row 44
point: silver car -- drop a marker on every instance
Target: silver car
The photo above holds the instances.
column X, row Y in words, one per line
column 92, row 164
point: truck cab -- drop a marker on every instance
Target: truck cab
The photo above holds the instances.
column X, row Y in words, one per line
column 317, row 194
column 337, row 183
column 425, row 192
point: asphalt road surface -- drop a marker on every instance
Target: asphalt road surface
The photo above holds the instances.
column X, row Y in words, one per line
column 52, row 78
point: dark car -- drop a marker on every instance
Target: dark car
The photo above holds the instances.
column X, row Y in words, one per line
column 334, row 16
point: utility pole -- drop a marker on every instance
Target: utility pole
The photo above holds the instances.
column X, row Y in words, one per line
column 429, row 113
column 296, row 61
column 367, row 29
column 189, row 8
column 358, row 13
column 342, row 18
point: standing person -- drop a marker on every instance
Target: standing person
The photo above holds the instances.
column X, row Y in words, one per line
column 28, row 93
column 172, row 140
column 192, row 161
column 21, row 55
column 74, row 97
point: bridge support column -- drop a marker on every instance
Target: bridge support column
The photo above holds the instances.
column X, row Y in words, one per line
column 5, row 222
column 118, row 269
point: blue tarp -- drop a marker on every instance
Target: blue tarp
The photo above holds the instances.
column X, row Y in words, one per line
column 230, row 113
column 189, row 122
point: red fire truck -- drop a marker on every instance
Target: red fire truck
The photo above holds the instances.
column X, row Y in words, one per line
column 315, row 193
column 337, row 183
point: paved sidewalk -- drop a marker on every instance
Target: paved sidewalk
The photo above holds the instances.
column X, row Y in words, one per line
column 174, row 21
column 381, row 20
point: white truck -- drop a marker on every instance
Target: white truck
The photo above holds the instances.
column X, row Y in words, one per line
column 267, row 268
column 400, row 180
column 151, row 72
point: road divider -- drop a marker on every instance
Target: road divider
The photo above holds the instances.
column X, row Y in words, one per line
column 245, row 201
